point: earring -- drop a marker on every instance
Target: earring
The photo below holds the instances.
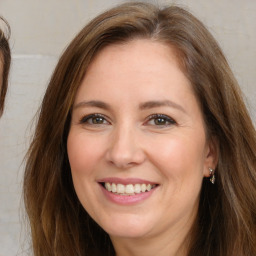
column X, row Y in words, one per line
column 212, row 176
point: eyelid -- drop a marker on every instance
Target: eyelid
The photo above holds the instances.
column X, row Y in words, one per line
column 168, row 119
column 171, row 121
column 85, row 118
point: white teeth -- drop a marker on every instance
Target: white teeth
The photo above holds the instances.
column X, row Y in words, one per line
column 113, row 188
column 108, row 186
column 120, row 188
column 143, row 187
column 137, row 188
column 129, row 189
column 149, row 187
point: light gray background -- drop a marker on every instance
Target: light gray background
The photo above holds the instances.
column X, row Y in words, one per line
column 40, row 32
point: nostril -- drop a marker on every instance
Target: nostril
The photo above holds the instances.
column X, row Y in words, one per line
column 124, row 161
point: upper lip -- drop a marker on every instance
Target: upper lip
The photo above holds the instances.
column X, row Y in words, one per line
column 125, row 181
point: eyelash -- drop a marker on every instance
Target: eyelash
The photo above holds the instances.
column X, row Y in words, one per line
column 154, row 117
column 85, row 119
column 163, row 117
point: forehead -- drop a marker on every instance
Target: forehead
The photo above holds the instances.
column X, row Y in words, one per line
column 144, row 69
column 141, row 46
column 142, row 55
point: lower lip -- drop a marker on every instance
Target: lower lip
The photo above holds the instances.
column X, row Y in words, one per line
column 127, row 200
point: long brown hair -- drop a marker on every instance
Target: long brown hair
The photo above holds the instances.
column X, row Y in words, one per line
column 226, row 223
column 5, row 60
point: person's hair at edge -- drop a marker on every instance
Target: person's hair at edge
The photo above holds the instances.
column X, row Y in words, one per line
column 5, row 60
column 226, row 222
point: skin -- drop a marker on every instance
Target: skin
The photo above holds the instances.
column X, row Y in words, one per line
column 127, row 142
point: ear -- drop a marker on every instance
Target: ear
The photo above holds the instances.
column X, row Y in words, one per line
column 211, row 155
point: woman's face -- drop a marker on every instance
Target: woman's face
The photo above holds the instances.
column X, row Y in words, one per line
column 136, row 125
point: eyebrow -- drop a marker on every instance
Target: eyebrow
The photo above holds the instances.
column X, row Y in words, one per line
column 142, row 106
column 155, row 104
column 92, row 103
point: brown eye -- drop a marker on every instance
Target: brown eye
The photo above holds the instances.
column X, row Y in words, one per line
column 160, row 120
column 94, row 119
column 97, row 120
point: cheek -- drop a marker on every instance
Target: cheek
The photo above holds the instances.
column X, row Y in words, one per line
column 83, row 154
column 83, row 157
column 179, row 156
column 180, row 162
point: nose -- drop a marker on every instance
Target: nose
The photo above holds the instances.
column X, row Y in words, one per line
column 125, row 149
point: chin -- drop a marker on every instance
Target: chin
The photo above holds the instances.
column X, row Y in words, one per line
column 127, row 227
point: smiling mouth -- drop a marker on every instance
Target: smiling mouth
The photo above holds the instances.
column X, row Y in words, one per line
column 129, row 189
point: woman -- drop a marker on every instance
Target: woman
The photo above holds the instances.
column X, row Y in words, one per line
column 143, row 144
column 5, row 60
